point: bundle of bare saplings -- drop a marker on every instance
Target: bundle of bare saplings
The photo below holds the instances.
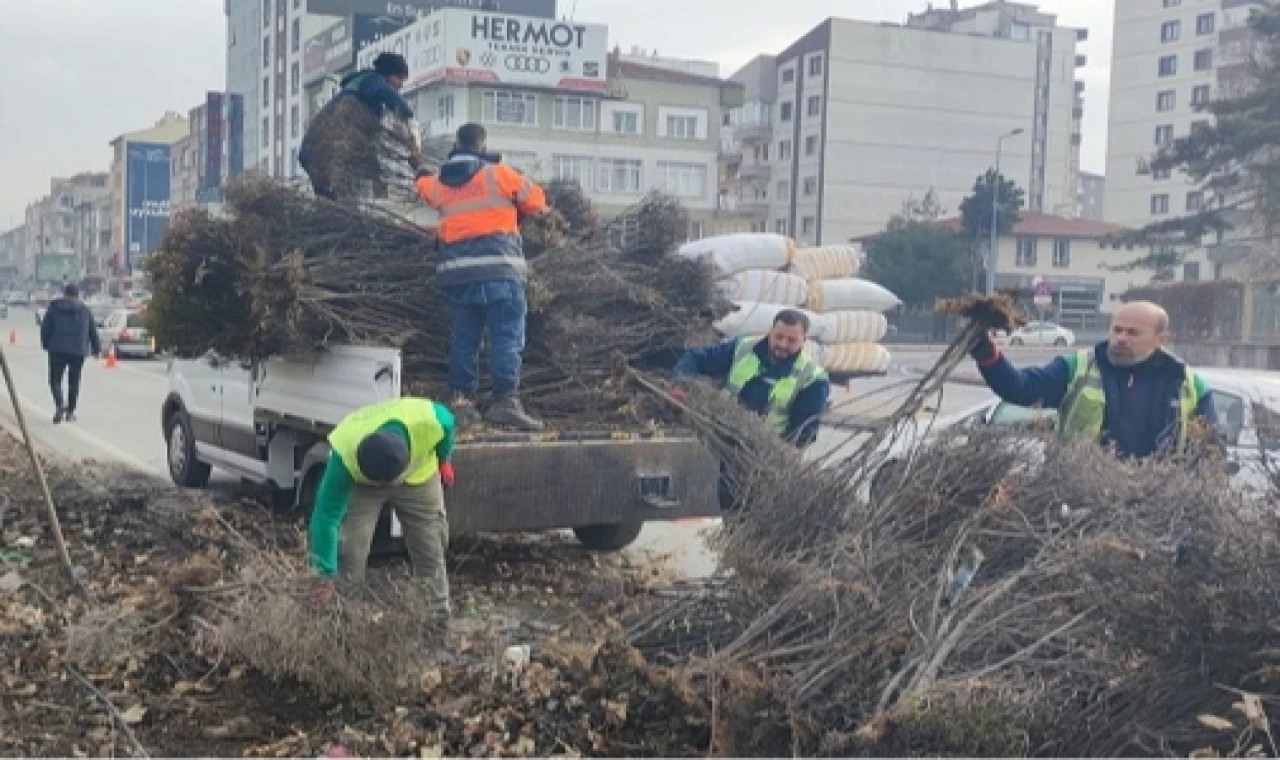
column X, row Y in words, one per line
column 992, row 593
column 284, row 274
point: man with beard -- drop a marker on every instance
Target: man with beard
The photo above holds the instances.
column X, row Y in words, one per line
column 772, row 375
column 1126, row 392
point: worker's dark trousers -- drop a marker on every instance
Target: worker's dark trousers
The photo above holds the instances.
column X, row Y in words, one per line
column 499, row 307
column 70, row 365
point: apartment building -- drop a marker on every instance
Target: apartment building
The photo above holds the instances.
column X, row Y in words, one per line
column 67, row 232
column 861, row 117
column 1169, row 57
column 139, row 189
column 1091, row 196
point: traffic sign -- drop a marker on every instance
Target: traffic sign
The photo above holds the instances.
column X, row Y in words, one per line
column 1042, row 292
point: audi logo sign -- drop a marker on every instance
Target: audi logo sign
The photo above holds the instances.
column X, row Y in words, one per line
column 527, row 64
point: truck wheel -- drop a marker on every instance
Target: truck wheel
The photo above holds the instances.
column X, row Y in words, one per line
column 184, row 468
column 608, row 538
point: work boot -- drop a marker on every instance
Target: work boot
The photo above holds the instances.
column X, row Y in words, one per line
column 70, row 416
column 57, row 417
column 507, row 410
column 465, row 414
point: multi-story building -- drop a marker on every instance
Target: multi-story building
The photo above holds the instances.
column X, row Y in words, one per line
column 65, row 229
column 869, row 115
column 197, row 161
column 745, row 143
column 139, row 185
column 1168, row 58
column 1091, row 196
column 13, row 244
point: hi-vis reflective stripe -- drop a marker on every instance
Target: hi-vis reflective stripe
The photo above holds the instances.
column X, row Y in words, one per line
column 526, row 190
column 481, row 198
column 467, row 262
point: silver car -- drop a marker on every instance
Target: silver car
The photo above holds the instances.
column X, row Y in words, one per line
column 126, row 330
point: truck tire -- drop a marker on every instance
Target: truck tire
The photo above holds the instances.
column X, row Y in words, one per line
column 184, row 468
column 608, row 538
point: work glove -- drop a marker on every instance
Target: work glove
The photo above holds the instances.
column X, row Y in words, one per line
column 986, row 351
column 415, row 161
column 679, row 392
column 323, row 591
column 446, row 474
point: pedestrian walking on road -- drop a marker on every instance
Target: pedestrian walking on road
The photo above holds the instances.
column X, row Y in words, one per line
column 395, row 452
column 68, row 334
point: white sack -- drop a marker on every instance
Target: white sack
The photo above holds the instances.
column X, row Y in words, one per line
column 754, row 318
column 850, row 327
column 827, row 262
column 850, row 294
column 731, row 254
column 856, row 357
column 763, row 286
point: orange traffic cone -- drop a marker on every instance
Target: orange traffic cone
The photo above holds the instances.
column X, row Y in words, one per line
column 111, row 358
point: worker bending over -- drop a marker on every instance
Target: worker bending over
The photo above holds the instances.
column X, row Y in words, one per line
column 773, row 376
column 395, row 452
column 1127, row 391
column 483, row 271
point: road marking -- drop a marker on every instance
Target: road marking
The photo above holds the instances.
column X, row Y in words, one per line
column 111, row 449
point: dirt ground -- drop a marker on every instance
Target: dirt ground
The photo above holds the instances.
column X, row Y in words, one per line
column 130, row 664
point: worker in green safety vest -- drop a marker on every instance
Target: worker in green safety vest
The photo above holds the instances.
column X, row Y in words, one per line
column 772, row 375
column 395, row 452
column 1127, row 392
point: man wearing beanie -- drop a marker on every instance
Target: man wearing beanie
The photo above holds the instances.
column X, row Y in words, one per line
column 378, row 90
column 395, row 452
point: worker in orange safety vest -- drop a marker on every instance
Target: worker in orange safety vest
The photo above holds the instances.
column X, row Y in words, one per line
column 482, row 271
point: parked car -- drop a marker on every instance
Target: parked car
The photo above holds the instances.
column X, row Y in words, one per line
column 1247, row 403
column 18, row 298
column 1037, row 334
column 126, row 330
column 101, row 311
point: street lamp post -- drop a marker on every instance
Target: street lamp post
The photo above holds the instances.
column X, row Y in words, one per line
column 993, row 253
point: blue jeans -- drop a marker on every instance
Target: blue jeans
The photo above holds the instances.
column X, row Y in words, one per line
column 501, row 307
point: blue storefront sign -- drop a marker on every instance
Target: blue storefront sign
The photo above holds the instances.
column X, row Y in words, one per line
column 146, row 199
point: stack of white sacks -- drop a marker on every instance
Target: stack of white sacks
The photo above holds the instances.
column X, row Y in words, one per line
column 764, row 274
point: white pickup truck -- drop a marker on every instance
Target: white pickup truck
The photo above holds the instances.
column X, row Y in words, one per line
column 267, row 424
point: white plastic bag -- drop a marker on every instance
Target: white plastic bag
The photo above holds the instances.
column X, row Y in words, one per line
column 827, row 262
column 731, row 254
column 856, row 357
column 850, row 327
column 764, row 286
column 753, row 318
column 849, row 294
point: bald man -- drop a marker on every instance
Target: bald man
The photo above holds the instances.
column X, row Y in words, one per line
column 1126, row 392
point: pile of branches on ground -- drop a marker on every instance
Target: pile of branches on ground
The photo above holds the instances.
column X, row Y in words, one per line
column 999, row 593
column 287, row 275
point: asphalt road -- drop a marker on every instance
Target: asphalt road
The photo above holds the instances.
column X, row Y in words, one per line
column 118, row 420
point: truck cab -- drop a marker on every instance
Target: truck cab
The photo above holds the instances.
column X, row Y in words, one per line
column 267, row 423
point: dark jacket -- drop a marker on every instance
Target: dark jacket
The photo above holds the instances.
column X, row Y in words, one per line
column 716, row 361
column 372, row 90
column 1142, row 400
column 68, row 328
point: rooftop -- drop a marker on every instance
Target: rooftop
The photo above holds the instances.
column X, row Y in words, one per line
column 632, row 70
column 1035, row 224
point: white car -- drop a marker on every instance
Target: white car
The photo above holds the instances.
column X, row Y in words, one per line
column 1037, row 334
column 1247, row 403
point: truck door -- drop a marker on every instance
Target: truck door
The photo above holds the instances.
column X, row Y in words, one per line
column 236, row 430
column 203, row 396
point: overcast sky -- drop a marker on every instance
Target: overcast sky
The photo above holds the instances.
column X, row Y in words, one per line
column 74, row 74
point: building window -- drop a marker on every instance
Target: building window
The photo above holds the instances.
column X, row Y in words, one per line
column 510, row 108
column 574, row 114
column 444, row 107
column 1172, row 3
column 810, row 186
column 1198, row 125
column 682, row 127
column 1162, row 172
column 573, row 168
column 784, row 112
column 1168, row 65
column 788, row 76
column 266, row 52
column 683, row 180
column 780, row 226
column 1160, row 203
column 1027, row 252
column 266, row 92
column 1061, row 253
column 813, row 106
column 697, row 229
column 784, row 190
column 1165, row 100
column 266, row 14
column 266, row 131
column 807, row 225
column 1170, row 31
column 1191, row 271
column 295, row 77
column 626, row 122
column 295, row 123
column 1195, row 202
column 811, row 145
column 523, row 161
column 295, row 35
column 1200, row 94
column 815, row 66
column 1204, row 24
column 619, row 176
column 1204, row 60
column 1164, row 134
column 784, row 150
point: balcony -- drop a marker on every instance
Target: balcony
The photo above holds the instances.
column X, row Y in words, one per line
column 752, row 133
column 755, row 172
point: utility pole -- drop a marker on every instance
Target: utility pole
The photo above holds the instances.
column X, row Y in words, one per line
column 993, row 253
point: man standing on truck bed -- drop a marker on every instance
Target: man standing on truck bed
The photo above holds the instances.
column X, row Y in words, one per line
column 68, row 333
column 331, row 156
column 394, row 452
column 482, row 271
column 773, row 376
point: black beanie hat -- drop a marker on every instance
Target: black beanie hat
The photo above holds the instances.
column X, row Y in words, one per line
column 391, row 65
column 383, row 456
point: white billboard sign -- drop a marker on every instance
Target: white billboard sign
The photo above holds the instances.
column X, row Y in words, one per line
column 481, row 46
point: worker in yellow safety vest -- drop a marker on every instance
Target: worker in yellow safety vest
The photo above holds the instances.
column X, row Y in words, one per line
column 395, row 452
